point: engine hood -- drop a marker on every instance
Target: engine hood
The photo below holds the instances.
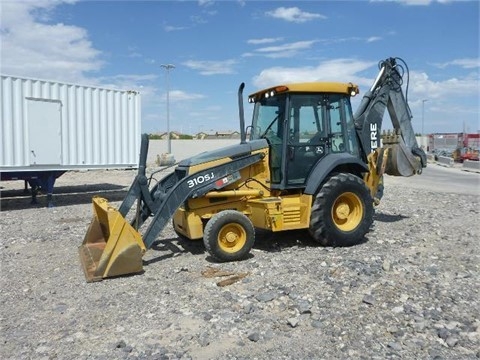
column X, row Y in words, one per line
column 232, row 151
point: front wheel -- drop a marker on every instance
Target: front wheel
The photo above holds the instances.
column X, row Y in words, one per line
column 342, row 212
column 229, row 235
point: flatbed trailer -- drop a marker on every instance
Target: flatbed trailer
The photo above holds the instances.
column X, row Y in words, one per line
column 50, row 127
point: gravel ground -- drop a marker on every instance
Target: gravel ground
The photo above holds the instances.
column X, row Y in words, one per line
column 410, row 291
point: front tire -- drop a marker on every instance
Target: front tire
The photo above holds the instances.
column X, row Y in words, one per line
column 229, row 235
column 342, row 212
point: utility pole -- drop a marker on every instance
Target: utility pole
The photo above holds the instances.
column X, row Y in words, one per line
column 423, row 112
column 168, row 67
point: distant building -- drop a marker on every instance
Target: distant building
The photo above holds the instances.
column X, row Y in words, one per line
column 217, row 135
column 173, row 135
column 200, row 135
column 471, row 141
column 452, row 141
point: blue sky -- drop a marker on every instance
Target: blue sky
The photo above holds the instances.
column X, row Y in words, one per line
column 216, row 45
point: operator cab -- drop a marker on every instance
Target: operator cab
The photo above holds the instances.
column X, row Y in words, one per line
column 303, row 123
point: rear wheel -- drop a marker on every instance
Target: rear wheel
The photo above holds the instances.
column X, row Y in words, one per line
column 229, row 235
column 342, row 212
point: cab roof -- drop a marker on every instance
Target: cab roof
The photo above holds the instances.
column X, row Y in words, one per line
column 309, row 87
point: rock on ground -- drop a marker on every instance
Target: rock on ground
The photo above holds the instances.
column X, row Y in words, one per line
column 410, row 290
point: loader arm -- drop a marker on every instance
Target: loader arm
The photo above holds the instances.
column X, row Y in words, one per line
column 214, row 178
column 113, row 246
column 405, row 158
column 174, row 189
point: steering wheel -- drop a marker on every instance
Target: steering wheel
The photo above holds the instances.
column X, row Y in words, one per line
column 315, row 139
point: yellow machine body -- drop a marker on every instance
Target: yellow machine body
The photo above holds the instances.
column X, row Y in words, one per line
column 267, row 209
column 291, row 175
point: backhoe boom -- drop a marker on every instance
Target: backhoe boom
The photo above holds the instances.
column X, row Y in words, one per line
column 405, row 157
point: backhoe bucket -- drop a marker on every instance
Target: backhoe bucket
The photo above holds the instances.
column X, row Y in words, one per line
column 111, row 247
column 401, row 161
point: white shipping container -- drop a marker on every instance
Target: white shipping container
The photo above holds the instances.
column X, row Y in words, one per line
column 48, row 125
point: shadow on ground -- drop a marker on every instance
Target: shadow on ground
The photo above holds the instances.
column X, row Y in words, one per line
column 63, row 196
column 264, row 241
column 389, row 218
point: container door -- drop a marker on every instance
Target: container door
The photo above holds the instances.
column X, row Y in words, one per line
column 44, row 131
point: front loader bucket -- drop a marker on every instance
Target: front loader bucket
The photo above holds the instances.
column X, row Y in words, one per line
column 111, row 247
column 401, row 161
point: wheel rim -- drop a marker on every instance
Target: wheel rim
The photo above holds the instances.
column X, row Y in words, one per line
column 347, row 211
column 232, row 238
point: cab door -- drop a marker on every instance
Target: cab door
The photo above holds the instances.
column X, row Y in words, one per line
column 318, row 125
column 307, row 140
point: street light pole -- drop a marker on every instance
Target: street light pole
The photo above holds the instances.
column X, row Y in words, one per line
column 423, row 112
column 168, row 67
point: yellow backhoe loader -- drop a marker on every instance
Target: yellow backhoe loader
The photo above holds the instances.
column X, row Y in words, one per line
column 309, row 163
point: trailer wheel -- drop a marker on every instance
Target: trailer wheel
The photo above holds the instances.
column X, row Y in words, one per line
column 342, row 212
column 229, row 235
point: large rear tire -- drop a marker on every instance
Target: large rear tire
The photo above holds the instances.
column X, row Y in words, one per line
column 342, row 212
column 229, row 235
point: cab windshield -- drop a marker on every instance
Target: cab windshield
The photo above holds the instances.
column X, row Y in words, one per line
column 268, row 117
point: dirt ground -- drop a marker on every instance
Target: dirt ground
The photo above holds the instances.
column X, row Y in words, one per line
column 410, row 290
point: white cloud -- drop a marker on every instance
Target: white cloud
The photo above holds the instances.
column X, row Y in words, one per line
column 169, row 28
column 449, row 105
column 299, row 45
column 264, row 41
column 294, row 14
column 289, row 50
column 179, row 95
column 466, row 63
column 343, row 70
column 207, row 67
column 373, row 39
column 129, row 78
column 422, row 87
column 66, row 55
column 416, row 2
column 285, row 50
column 205, row 2
column 198, row 20
column 349, row 70
column 448, row 98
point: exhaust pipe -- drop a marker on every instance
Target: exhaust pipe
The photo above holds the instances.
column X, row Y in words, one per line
column 243, row 135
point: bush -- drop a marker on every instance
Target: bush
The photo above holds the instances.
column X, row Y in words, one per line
column 154, row 136
column 180, row 137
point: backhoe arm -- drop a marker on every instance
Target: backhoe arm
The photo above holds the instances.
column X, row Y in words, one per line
column 404, row 157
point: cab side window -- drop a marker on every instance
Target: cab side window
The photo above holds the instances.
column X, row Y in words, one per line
column 336, row 125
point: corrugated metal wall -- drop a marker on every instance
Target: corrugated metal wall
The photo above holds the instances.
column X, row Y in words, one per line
column 98, row 127
column 444, row 141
